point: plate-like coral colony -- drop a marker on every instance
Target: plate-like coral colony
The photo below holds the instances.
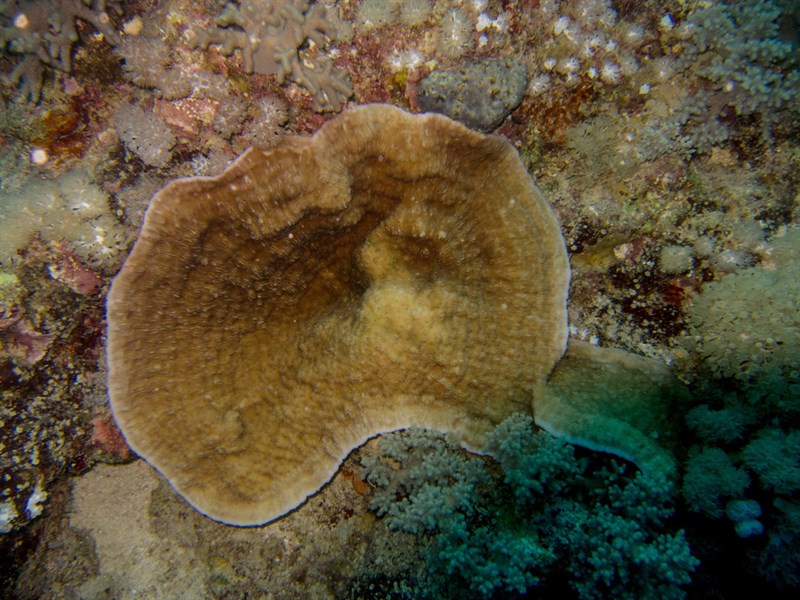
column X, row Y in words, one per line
column 399, row 299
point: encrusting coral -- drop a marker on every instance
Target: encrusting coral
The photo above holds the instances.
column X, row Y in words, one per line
column 393, row 270
column 608, row 399
column 270, row 35
column 44, row 31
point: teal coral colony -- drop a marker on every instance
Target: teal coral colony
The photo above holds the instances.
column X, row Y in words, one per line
column 291, row 254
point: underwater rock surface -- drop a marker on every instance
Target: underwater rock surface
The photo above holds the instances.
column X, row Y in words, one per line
column 665, row 136
column 479, row 95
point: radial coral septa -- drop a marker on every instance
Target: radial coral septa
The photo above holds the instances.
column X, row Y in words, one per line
column 393, row 270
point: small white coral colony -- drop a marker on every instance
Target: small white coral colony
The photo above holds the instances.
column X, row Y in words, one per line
column 71, row 208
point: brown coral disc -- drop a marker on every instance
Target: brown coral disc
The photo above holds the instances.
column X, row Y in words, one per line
column 391, row 270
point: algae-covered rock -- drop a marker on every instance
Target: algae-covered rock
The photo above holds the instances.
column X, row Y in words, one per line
column 481, row 94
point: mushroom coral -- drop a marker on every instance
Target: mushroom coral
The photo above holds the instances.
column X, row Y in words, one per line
column 392, row 270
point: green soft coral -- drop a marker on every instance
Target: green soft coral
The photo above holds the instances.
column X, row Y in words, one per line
column 532, row 465
column 504, row 531
column 775, row 457
column 711, row 478
column 617, row 548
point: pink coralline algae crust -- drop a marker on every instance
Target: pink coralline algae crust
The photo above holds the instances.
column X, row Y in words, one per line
column 107, row 437
column 25, row 343
column 67, row 268
column 187, row 116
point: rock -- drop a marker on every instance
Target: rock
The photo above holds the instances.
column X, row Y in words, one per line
column 480, row 94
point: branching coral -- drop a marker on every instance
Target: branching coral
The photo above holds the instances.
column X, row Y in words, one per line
column 410, row 473
column 735, row 60
column 425, row 485
column 616, row 556
column 775, row 457
column 533, row 465
column 710, row 479
column 745, row 55
column 44, row 31
column 488, row 536
column 270, row 36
